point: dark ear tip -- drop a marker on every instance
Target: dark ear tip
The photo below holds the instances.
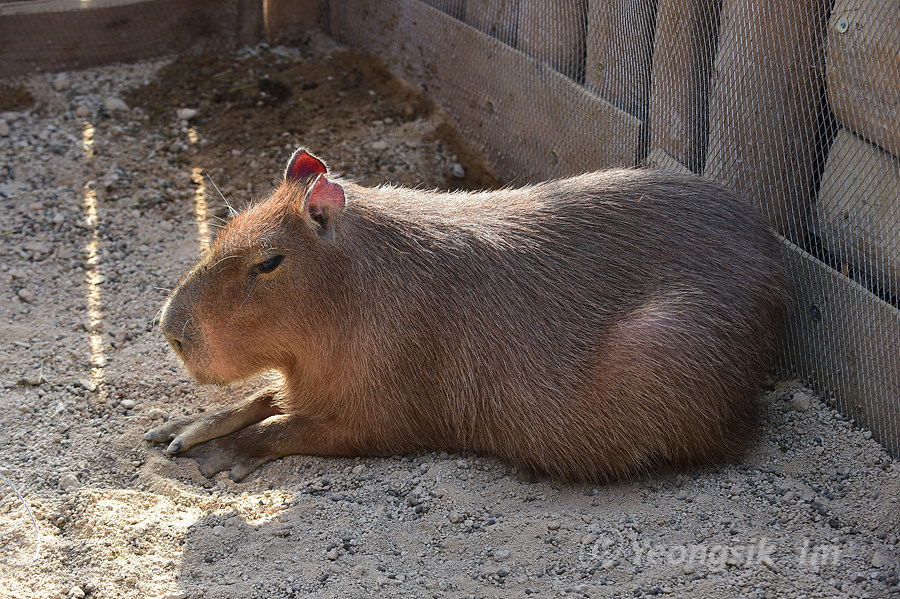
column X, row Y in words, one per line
column 303, row 164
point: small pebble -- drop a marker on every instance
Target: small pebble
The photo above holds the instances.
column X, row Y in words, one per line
column 69, row 482
column 4, row 128
column 880, row 560
column 76, row 592
column 800, row 402
column 553, row 525
column 61, row 82
column 357, row 572
column 113, row 103
column 26, row 295
column 186, row 114
column 127, row 403
column 379, row 146
column 501, row 555
column 83, row 112
column 332, row 554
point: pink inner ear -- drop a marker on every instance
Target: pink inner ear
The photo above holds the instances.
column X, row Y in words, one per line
column 325, row 195
column 303, row 164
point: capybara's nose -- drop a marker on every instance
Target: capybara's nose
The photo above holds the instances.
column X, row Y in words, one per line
column 177, row 344
column 174, row 325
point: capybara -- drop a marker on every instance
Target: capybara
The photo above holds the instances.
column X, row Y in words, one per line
column 587, row 328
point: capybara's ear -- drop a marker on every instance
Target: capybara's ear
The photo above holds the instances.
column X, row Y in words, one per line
column 303, row 165
column 325, row 197
column 322, row 206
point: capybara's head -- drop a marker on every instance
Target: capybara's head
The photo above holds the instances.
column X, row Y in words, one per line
column 263, row 295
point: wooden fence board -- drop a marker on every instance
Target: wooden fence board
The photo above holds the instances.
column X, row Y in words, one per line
column 859, row 209
column 83, row 37
column 765, row 106
column 619, row 52
column 497, row 18
column 684, row 48
column 847, row 341
column 531, row 121
column 863, row 69
column 554, row 32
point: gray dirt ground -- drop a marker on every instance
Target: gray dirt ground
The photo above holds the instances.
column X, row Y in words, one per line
column 99, row 206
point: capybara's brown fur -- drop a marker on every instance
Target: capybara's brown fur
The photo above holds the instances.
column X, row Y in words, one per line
column 586, row 328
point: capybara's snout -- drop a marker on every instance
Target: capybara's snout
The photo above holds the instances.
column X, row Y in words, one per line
column 179, row 328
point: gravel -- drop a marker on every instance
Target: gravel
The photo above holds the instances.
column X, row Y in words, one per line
column 98, row 213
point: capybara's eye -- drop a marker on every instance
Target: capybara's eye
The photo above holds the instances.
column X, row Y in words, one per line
column 270, row 263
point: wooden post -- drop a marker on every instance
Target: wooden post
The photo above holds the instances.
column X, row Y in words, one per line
column 554, row 33
column 863, row 69
column 765, row 106
column 859, row 209
column 497, row 18
column 684, row 48
column 619, row 52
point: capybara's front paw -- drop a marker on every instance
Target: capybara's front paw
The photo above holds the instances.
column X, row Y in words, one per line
column 184, row 432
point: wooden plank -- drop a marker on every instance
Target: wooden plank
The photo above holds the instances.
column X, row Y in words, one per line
column 765, row 106
column 863, row 69
column 859, row 209
column 684, row 48
column 497, row 18
column 619, row 52
column 847, row 342
column 532, row 122
column 83, row 37
column 554, row 32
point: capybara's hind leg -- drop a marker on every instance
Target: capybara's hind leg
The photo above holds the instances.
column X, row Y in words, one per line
column 186, row 431
column 677, row 370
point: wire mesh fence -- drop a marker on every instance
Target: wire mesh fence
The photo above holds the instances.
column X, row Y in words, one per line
column 795, row 105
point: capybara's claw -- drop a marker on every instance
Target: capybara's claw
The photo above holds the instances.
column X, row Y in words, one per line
column 159, row 435
column 176, row 446
column 165, row 433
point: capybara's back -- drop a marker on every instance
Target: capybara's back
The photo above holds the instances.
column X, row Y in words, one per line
column 587, row 328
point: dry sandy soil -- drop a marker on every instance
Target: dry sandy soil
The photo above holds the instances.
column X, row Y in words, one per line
column 103, row 206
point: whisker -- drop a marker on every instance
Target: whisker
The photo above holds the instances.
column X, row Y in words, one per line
column 218, row 218
column 234, row 313
column 157, row 317
column 231, row 211
column 222, row 259
column 216, row 225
